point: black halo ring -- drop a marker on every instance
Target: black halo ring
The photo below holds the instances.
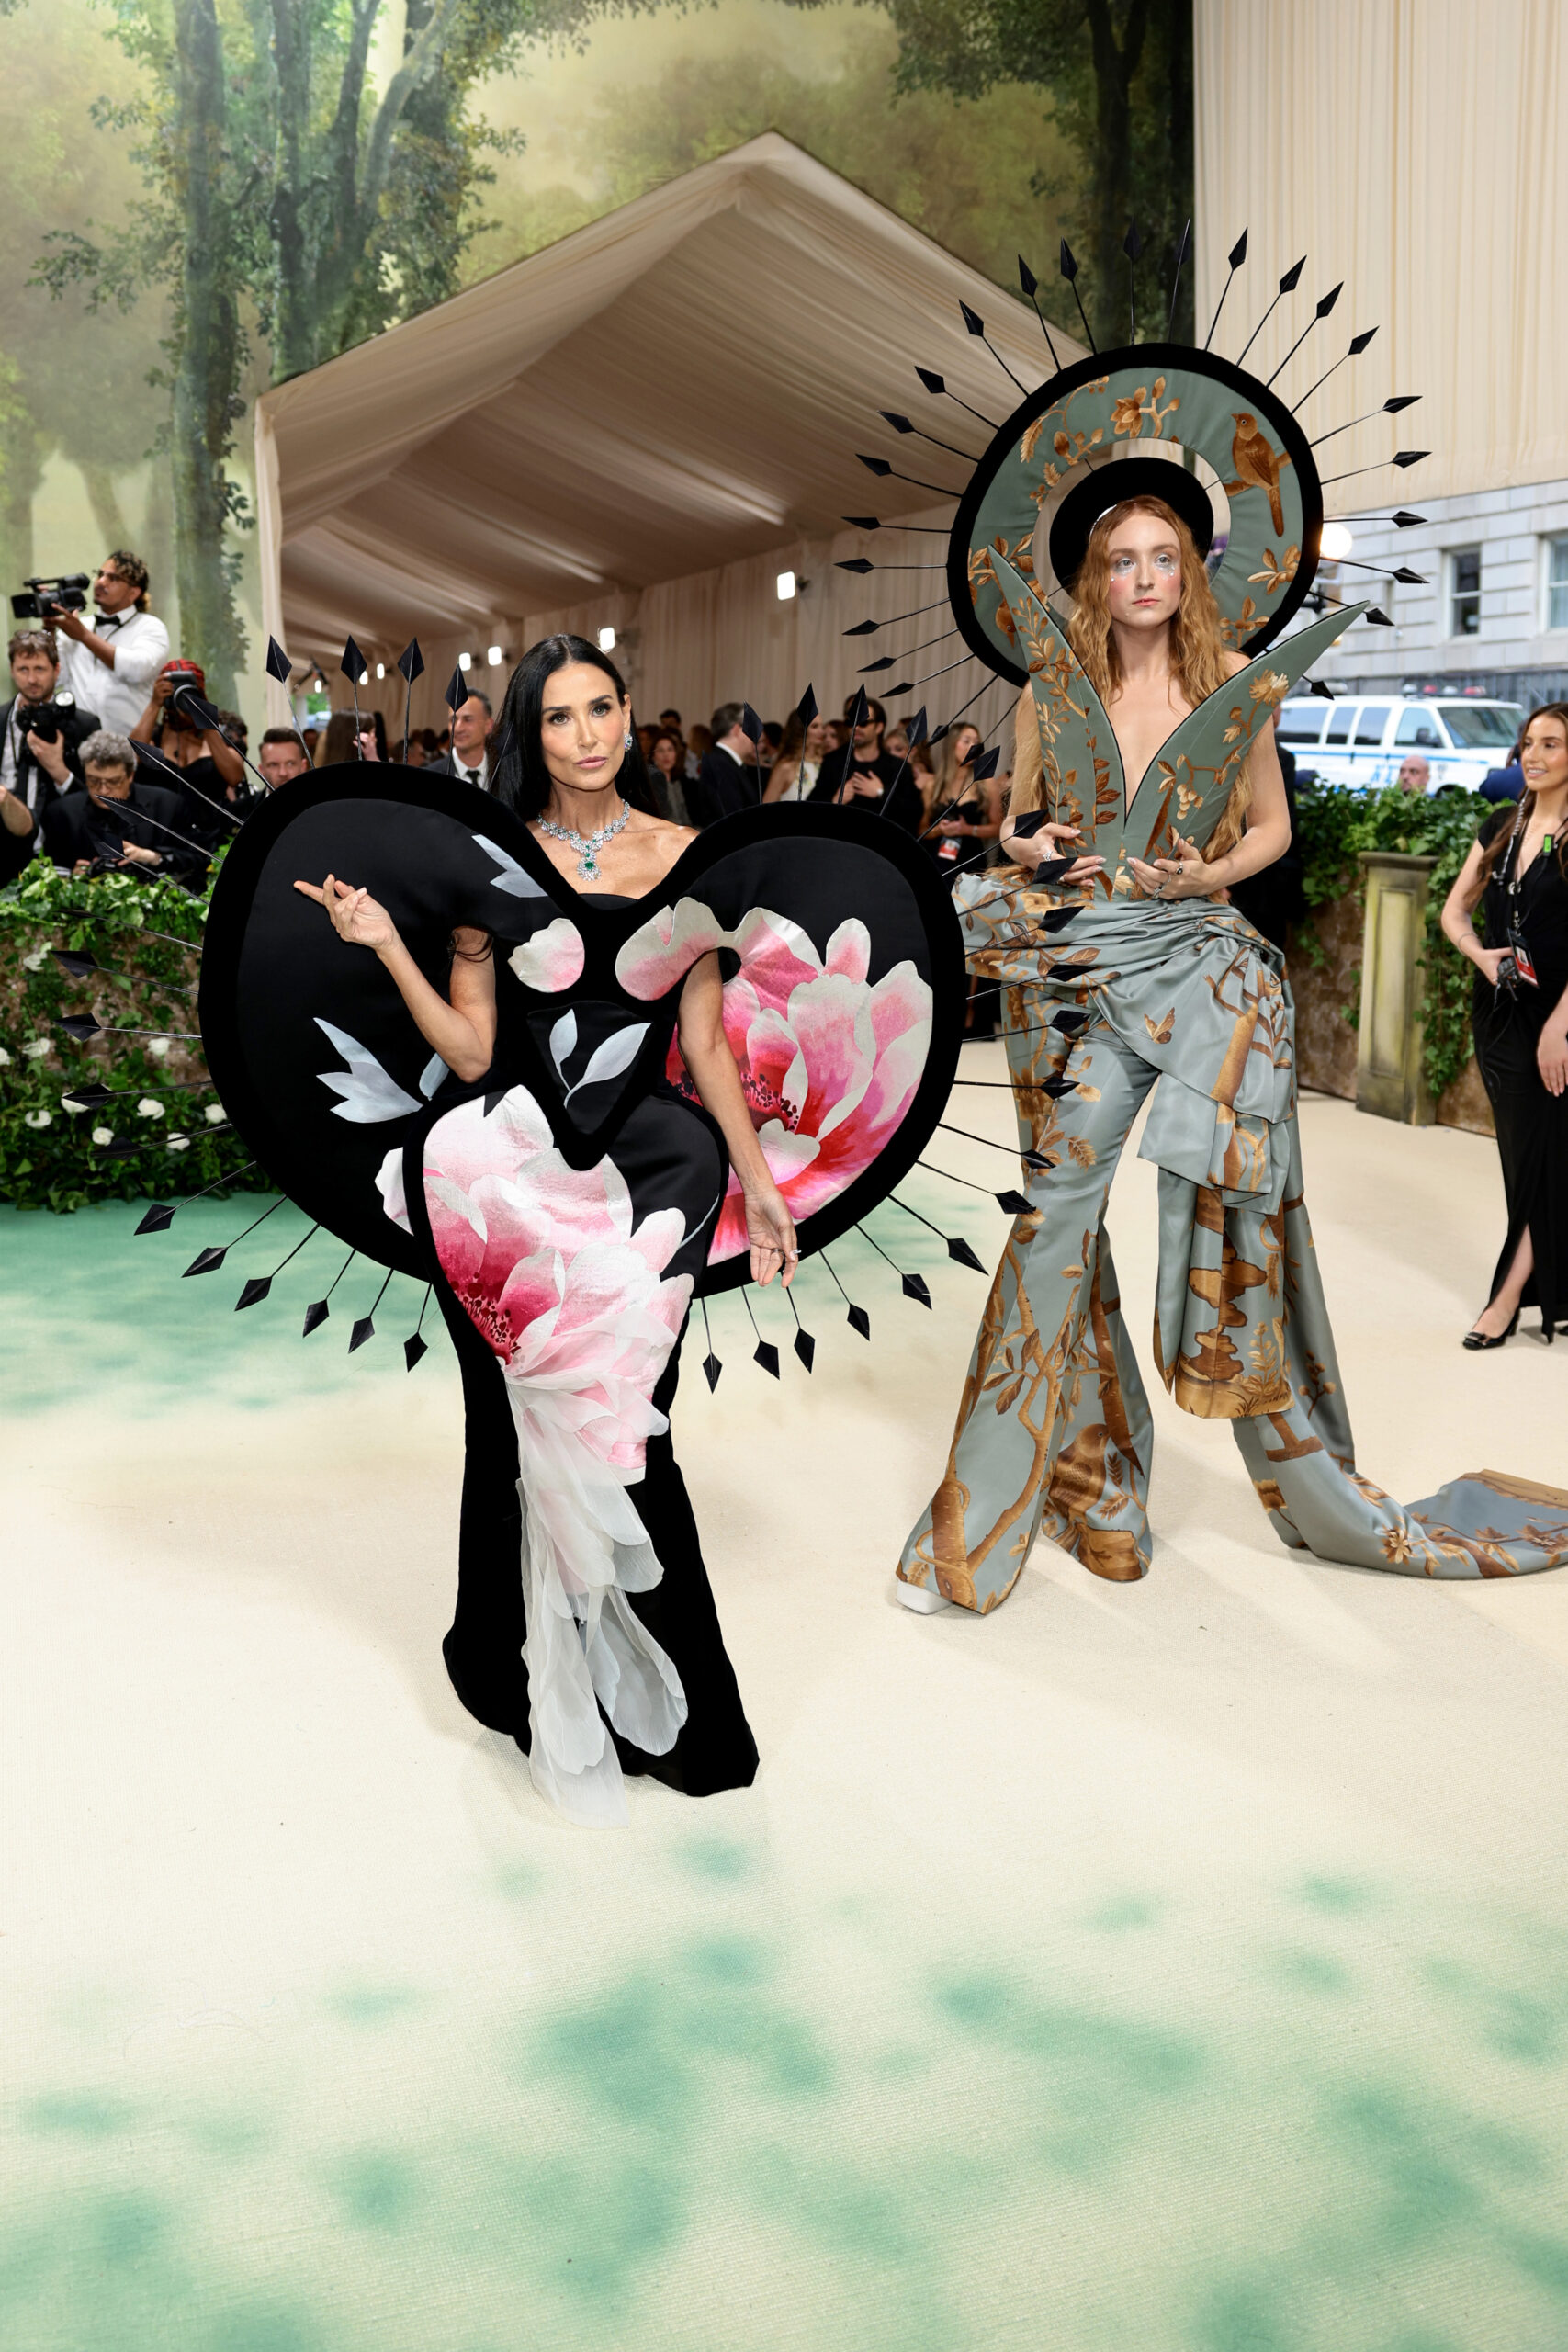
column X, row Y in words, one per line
column 1111, row 485
column 1182, row 357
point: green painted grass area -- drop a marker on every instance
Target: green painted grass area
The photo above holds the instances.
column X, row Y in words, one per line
column 769, row 2130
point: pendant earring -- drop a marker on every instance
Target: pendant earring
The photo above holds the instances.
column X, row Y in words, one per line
column 626, row 740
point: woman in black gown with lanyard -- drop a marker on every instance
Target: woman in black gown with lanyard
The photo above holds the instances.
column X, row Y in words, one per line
column 1517, row 870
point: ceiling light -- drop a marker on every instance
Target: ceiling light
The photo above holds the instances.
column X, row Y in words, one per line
column 606, row 640
column 1336, row 543
column 380, row 669
column 786, row 586
column 465, row 661
column 495, row 657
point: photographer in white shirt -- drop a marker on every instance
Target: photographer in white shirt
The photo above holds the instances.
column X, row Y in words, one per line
column 109, row 663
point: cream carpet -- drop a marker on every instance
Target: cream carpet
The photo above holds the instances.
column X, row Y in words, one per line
column 1178, row 1966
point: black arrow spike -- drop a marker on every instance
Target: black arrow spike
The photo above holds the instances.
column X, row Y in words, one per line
column 1181, row 252
column 750, row 725
column 413, row 1348
column 1402, row 520
column 457, row 690
column 959, row 1249
column 857, row 563
column 1015, row 1204
column 1400, row 457
column 158, row 1219
column 977, row 325
column 804, row 1345
column 913, row 1286
column 366, row 1326
column 986, row 766
column 1131, row 245
column 902, row 424
column 940, row 388
column 711, row 1364
column 1389, row 407
column 880, row 467
column 857, row 1319
column 411, row 661
column 1031, row 285
column 317, row 1312
column 805, row 708
column 1069, row 270
column 1357, row 345
column 1377, row 618
column 1031, row 1159
column 1288, row 285
column 1321, row 312
column 353, row 664
column 278, row 665
column 1071, row 1018
column 874, row 523
column 207, row 1261
column 1237, row 255
column 1318, row 686
column 254, row 1291
column 80, row 1026
column 76, row 963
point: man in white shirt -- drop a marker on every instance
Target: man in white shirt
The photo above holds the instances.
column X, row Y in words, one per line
column 109, row 663
column 469, row 760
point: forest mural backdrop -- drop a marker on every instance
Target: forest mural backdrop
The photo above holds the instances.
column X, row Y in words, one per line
column 202, row 196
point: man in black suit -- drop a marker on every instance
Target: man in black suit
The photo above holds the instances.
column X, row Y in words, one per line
column 1274, row 898
column 468, row 758
column 862, row 776
column 42, row 729
column 727, row 778
column 115, row 822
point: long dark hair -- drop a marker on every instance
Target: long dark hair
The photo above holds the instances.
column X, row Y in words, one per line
column 1524, row 808
column 522, row 780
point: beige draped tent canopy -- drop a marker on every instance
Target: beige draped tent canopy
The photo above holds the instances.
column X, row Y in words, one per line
column 640, row 428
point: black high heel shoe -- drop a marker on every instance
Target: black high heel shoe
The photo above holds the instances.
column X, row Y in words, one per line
column 1478, row 1339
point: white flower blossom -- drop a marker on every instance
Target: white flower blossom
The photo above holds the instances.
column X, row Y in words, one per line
column 149, row 1108
column 179, row 1143
column 37, row 1045
column 158, row 1047
column 216, row 1115
column 103, row 1135
column 5, row 1058
column 36, row 960
column 37, row 1118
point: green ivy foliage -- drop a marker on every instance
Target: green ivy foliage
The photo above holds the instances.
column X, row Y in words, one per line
column 1335, row 823
column 147, row 936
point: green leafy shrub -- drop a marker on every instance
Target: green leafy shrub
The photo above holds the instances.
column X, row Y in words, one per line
column 147, row 936
column 1335, row 824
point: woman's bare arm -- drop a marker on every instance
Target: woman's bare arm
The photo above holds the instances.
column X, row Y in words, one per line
column 462, row 1031
column 705, row 1051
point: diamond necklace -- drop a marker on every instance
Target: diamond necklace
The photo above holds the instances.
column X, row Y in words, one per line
column 587, row 863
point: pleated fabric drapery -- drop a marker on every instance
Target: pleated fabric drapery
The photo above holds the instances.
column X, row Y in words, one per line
column 1418, row 149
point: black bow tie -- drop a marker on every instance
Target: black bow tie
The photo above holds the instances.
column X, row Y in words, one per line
column 111, row 620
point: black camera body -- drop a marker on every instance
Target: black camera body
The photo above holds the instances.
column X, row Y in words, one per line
column 66, row 592
column 44, row 718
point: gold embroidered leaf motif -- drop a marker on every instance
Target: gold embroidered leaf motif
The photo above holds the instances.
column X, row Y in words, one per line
column 1030, row 441
column 1010, row 1396
column 1237, row 730
column 1162, row 1030
column 1127, row 413
column 1279, row 570
column 1083, row 1151
column 1267, row 687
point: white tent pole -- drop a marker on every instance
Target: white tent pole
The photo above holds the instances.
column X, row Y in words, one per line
column 269, row 531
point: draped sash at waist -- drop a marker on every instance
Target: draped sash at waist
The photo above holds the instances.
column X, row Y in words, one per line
column 1189, row 986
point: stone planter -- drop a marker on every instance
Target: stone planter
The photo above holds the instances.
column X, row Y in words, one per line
column 1389, row 1079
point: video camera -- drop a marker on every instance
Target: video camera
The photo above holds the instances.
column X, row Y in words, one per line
column 67, row 592
column 43, row 719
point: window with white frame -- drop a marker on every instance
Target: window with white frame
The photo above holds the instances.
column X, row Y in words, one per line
column 1556, row 615
column 1464, row 592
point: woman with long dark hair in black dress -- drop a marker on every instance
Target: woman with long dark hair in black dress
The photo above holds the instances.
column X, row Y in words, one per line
column 1518, row 871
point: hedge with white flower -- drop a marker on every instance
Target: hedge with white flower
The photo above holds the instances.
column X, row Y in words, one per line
column 52, row 1156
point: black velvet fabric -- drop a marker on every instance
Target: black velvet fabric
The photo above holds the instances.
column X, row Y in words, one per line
column 1532, row 1125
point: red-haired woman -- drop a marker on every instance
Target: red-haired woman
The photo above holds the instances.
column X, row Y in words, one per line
column 1518, row 871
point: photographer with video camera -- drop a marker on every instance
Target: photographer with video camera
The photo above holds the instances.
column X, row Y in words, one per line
column 211, row 773
column 119, row 821
column 41, row 728
column 107, row 663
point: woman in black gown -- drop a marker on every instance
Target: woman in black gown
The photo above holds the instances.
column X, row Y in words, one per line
column 1518, row 871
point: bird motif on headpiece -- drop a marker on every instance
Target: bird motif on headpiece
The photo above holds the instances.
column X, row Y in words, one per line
column 1257, row 465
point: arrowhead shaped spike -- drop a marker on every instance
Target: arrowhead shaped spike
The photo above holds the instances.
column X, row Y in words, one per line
column 767, row 1355
column 457, row 690
column 855, row 715
column 1057, row 919
column 988, row 764
column 1377, row 618
column 806, row 1348
column 805, row 708
column 77, row 965
column 869, row 669
column 1013, row 1203
column 1057, row 1087
column 711, row 1370
column 1036, row 1160
column 1399, row 400
column 1360, row 342
column 899, row 686
column 278, row 665
column 1238, row 253
column 859, row 1320
column 256, row 1290
column 914, row 1287
column 1320, row 688
column 1292, row 278
column 959, row 1249
column 750, row 725
column 315, row 1315
column 353, row 664
column 1071, row 1020
column 873, row 465
column 857, row 563
column 899, row 423
column 1403, row 519
column 863, row 522
column 1131, row 244
column 1027, row 279
column 158, row 1219
column 1410, row 457
column 916, row 730
column 364, row 1328
column 1069, row 267
column 80, row 1026
column 863, row 628
column 411, row 661
column 972, row 320
column 413, row 1348
column 1409, row 579
column 933, row 383
column 1330, row 299
column 87, row 1098
column 207, row 1261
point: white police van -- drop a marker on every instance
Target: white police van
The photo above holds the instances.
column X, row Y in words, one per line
column 1362, row 741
